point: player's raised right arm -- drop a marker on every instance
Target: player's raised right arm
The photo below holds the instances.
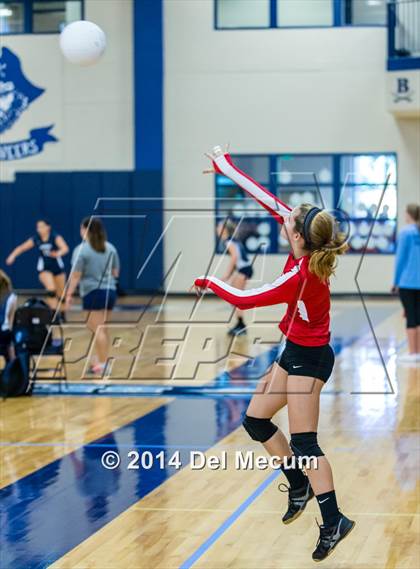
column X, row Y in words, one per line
column 223, row 164
column 22, row 248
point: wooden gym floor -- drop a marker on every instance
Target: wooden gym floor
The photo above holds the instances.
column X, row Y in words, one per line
column 62, row 508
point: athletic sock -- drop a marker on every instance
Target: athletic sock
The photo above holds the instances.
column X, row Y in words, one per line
column 329, row 510
column 295, row 477
column 240, row 322
column 99, row 368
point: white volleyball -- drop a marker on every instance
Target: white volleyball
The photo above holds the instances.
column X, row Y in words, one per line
column 82, row 42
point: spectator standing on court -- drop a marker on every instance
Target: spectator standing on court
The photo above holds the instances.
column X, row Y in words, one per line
column 95, row 268
column 407, row 279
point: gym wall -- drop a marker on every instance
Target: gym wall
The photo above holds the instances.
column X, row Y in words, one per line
column 273, row 91
column 92, row 114
column 91, row 108
column 295, row 91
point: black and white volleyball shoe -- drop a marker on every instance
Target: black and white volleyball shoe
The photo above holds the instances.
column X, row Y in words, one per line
column 298, row 499
column 330, row 537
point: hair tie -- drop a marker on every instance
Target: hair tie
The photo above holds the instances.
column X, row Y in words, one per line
column 307, row 223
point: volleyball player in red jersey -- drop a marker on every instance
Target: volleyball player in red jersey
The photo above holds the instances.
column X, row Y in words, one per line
column 298, row 376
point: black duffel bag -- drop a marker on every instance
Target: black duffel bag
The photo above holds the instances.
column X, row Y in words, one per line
column 31, row 326
column 15, row 377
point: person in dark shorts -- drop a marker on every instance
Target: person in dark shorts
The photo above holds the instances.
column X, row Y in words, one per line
column 51, row 248
column 95, row 268
column 407, row 279
column 239, row 270
column 298, row 376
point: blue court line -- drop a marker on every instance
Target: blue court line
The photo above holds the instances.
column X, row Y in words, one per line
column 401, row 345
column 231, row 520
column 228, row 522
column 120, row 308
column 73, row 497
column 100, row 445
column 238, row 382
column 139, row 391
column 47, row 513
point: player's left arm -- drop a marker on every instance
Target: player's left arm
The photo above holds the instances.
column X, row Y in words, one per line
column 400, row 257
column 116, row 265
column 71, row 287
column 283, row 289
column 73, row 282
column 63, row 248
column 78, row 267
column 11, row 309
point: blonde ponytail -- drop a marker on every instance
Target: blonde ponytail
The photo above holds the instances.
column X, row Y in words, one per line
column 323, row 262
column 325, row 242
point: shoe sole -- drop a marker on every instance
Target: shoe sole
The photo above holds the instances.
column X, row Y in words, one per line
column 335, row 546
column 299, row 513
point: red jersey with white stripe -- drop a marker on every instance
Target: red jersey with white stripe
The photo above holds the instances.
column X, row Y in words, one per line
column 307, row 318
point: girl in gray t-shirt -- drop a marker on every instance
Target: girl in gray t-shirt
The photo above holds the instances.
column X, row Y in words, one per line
column 95, row 268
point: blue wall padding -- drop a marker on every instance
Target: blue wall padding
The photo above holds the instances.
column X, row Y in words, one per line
column 134, row 226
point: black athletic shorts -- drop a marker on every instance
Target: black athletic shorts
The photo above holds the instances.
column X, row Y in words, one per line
column 410, row 298
column 100, row 299
column 310, row 361
column 247, row 271
column 50, row 266
column 6, row 338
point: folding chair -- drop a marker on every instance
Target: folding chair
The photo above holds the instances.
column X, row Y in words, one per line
column 33, row 330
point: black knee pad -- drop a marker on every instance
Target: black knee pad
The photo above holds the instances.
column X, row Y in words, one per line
column 259, row 429
column 51, row 293
column 305, row 444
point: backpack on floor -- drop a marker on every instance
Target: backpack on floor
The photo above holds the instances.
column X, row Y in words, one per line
column 31, row 326
column 14, row 378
